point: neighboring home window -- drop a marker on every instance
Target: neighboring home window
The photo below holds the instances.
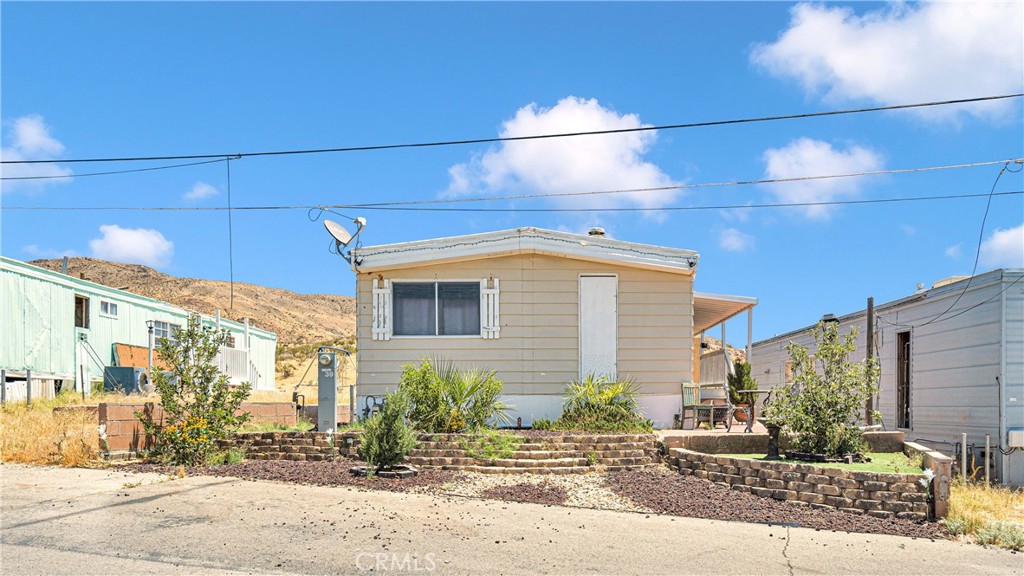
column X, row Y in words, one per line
column 229, row 342
column 436, row 308
column 165, row 330
column 108, row 309
column 81, row 311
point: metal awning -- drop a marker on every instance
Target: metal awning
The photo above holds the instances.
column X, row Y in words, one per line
column 712, row 309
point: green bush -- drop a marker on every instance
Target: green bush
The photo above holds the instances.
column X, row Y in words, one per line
column 386, row 437
column 200, row 406
column 491, row 445
column 739, row 380
column 597, row 404
column 821, row 408
column 446, row 399
column 543, row 424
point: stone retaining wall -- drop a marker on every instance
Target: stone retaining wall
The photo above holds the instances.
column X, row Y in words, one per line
column 125, row 436
column 754, row 443
column 548, row 455
column 876, row 494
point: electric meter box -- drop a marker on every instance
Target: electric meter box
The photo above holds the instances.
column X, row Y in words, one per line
column 327, row 392
column 1015, row 438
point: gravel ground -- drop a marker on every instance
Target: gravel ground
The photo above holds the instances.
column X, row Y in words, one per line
column 581, row 490
column 543, row 493
column 667, row 492
column 334, row 473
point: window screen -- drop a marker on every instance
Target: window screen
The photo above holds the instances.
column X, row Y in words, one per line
column 436, row 308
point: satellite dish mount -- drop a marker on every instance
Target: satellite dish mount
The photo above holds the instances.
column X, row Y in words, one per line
column 342, row 237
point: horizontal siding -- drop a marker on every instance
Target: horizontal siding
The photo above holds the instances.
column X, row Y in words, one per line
column 538, row 350
column 954, row 363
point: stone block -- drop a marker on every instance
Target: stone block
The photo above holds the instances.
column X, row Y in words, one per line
column 913, row 497
column 817, row 479
column 898, row 506
column 686, row 471
column 762, row 492
column 904, row 487
column 919, row 507
column 800, row 486
column 734, row 479
column 783, row 494
column 867, row 504
column 797, row 503
column 838, row 502
column 748, row 472
column 775, row 484
column 785, row 467
column 811, row 497
column 851, row 510
column 767, row 474
column 817, row 506
column 828, row 490
column 702, row 474
column 880, row 514
column 712, row 467
column 792, row 476
column 854, row 494
column 295, row 456
column 835, row 472
column 915, row 516
column 716, row 476
column 753, row 481
column 885, row 496
column 874, row 485
column 730, row 470
column 741, row 488
column 845, row 483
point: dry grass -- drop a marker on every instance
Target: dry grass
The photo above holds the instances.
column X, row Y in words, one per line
column 987, row 514
column 39, row 435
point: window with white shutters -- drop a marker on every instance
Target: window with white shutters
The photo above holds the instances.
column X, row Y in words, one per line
column 435, row 308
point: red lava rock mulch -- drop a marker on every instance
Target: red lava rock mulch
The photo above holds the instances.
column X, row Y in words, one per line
column 334, row 473
column 542, row 493
column 670, row 493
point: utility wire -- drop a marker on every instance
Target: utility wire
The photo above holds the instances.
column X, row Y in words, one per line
column 687, row 186
column 420, row 209
column 114, row 171
column 977, row 254
column 531, row 137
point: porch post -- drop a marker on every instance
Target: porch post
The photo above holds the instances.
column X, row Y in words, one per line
column 750, row 331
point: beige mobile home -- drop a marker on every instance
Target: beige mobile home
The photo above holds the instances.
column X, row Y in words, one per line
column 952, row 360
column 539, row 307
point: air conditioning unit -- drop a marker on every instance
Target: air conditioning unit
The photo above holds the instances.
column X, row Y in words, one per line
column 126, row 379
column 1015, row 438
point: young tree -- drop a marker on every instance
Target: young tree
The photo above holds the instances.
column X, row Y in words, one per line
column 823, row 406
column 199, row 405
column 386, row 437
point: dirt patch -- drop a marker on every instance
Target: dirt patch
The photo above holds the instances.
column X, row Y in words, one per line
column 669, row 493
column 335, row 473
column 542, row 493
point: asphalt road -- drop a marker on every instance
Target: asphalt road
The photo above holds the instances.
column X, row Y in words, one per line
column 75, row 521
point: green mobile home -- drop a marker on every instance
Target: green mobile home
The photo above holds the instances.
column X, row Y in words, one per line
column 65, row 331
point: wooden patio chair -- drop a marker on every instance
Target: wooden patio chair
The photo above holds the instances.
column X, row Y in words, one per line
column 691, row 399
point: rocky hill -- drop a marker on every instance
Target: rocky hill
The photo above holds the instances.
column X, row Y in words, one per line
column 301, row 321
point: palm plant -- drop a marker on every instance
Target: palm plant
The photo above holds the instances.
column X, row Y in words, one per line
column 597, row 404
column 446, row 399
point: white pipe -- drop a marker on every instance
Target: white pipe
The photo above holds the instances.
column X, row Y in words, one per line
column 750, row 332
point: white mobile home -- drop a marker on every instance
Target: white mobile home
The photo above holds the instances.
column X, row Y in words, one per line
column 539, row 307
column 66, row 330
column 943, row 372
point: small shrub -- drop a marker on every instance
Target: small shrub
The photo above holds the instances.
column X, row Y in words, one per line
column 199, row 404
column 597, row 404
column 386, row 437
column 491, row 445
column 229, row 456
column 591, row 458
column 741, row 380
column 446, row 399
column 543, row 424
column 822, row 408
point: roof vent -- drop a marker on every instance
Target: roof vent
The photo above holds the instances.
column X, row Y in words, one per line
column 596, row 231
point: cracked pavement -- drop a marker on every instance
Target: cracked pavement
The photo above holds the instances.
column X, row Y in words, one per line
column 78, row 521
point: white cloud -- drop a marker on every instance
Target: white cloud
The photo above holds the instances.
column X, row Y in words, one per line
column 1004, row 248
column 200, row 190
column 29, row 139
column 574, row 164
column 733, row 240
column 808, row 157
column 904, row 54
column 137, row 245
column 954, row 251
column 34, row 251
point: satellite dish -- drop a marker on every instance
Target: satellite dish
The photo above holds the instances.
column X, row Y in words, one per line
column 341, row 236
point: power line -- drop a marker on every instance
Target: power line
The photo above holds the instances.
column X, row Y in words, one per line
column 69, row 176
column 532, row 137
column 419, row 209
column 688, row 186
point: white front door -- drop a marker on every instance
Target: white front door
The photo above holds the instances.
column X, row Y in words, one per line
column 598, row 326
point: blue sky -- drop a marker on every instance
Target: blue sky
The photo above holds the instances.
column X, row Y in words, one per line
column 83, row 80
